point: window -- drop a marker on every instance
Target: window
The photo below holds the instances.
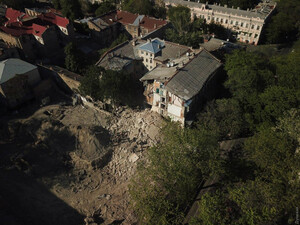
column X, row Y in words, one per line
column 217, row 19
column 150, row 60
column 142, row 52
column 226, row 21
column 255, row 36
column 252, row 27
column 146, row 60
column 150, row 67
column 242, row 24
column 236, row 23
column 157, row 90
column 231, row 21
column 208, row 17
column 247, row 25
column 257, row 28
column 221, row 20
column 146, row 53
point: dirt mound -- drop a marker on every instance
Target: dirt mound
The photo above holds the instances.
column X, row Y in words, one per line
column 79, row 161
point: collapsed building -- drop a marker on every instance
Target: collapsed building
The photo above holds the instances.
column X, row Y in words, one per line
column 177, row 90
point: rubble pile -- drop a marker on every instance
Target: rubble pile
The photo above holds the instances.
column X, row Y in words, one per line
column 84, row 156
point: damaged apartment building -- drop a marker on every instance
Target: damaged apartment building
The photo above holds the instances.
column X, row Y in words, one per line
column 179, row 88
column 36, row 35
column 245, row 25
column 140, row 56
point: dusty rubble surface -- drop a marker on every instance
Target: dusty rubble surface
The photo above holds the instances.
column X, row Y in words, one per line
column 72, row 164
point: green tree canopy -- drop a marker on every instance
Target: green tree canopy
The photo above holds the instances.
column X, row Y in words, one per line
column 73, row 61
column 69, row 8
column 18, row 4
column 104, row 7
column 119, row 87
column 164, row 187
column 284, row 26
column 180, row 17
column 144, row 7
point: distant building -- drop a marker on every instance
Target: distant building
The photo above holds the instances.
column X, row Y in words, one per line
column 136, row 25
column 36, row 36
column 246, row 25
column 17, row 78
column 177, row 90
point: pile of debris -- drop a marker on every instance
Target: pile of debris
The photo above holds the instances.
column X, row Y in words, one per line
column 85, row 157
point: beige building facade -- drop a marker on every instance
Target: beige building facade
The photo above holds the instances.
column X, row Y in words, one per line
column 245, row 25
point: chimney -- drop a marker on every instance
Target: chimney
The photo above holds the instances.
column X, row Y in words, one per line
column 247, row 9
column 225, row 6
column 155, row 25
column 238, row 8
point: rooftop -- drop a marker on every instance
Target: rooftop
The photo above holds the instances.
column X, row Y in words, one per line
column 126, row 18
column 261, row 11
column 11, row 67
column 160, row 73
column 153, row 46
column 19, row 23
column 190, row 79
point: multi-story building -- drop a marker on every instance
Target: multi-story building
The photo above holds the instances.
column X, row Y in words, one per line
column 245, row 25
column 179, row 89
column 136, row 25
column 36, row 36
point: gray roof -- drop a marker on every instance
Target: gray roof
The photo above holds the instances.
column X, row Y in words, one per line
column 116, row 63
column 153, row 46
column 262, row 13
column 172, row 51
column 159, row 73
column 123, row 51
column 138, row 20
column 11, row 67
column 191, row 78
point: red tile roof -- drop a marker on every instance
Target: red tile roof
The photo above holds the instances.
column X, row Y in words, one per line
column 14, row 15
column 151, row 23
column 55, row 19
column 125, row 18
column 15, row 27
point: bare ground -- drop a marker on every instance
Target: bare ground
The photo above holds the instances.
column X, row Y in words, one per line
column 72, row 165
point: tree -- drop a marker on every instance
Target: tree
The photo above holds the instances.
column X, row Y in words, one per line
column 180, row 17
column 144, row 7
column 104, row 7
column 164, row 187
column 117, row 86
column 69, row 8
column 73, row 60
column 284, row 26
column 18, row 4
column 225, row 117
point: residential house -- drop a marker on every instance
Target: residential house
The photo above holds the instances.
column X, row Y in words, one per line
column 246, row 25
column 36, row 36
column 17, row 78
column 178, row 90
column 136, row 25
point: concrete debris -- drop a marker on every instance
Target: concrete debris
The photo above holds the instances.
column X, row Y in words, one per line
column 84, row 154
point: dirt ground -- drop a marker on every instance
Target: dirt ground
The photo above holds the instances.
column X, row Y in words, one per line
column 71, row 165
